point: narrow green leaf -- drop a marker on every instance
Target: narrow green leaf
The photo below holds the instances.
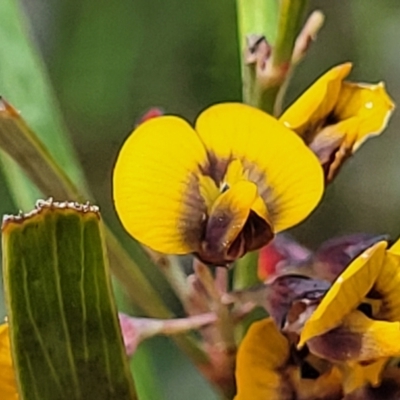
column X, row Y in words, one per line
column 24, row 146
column 63, row 322
column 24, row 82
column 20, row 143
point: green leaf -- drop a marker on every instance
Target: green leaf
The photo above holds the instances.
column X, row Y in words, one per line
column 41, row 159
column 24, row 146
column 46, row 156
column 64, row 327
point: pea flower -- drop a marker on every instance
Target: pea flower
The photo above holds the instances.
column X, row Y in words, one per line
column 217, row 190
column 357, row 323
column 335, row 117
column 337, row 344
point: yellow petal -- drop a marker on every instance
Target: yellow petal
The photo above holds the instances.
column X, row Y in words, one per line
column 368, row 105
column 156, row 190
column 346, row 293
column 230, row 212
column 231, row 230
column 262, row 353
column 234, row 173
column 359, row 339
column 356, row 375
column 288, row 175
column 387, row 285
column 316, row 103
column 8, row 385
column 395, row 248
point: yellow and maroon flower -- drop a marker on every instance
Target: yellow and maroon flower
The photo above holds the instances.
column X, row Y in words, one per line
column 357, row 323
column 217, row 190
column 335, row 117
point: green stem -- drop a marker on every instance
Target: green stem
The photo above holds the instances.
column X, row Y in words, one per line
column 265, row 65
column 246, row 271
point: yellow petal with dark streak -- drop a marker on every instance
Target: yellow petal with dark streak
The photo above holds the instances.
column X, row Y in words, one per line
column 359, row 339
column 156, row 190
column 230, row 212
column 287, row 173
column 346, row 293
column 387, row 285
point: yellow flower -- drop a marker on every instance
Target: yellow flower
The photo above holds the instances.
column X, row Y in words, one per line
column 218, row 190
column 357, row 323
column 266, row 369
column 335, row 117
column 8, row 385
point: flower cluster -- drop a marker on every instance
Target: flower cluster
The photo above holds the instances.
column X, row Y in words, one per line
column 228, row 186
column 235, row 180
column 337, row 346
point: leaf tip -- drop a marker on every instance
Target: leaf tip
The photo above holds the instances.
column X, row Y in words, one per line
column 46, row 205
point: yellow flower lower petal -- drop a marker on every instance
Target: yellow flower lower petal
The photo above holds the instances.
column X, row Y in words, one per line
column 316, row 103
column 154, row 180
column 288, row 175
column 359, row 339
column 356, row 375
column 225, row 238
column 262, row 353
column 8, row 384
column 346, row 293
column 369, row 104
column 229, row 213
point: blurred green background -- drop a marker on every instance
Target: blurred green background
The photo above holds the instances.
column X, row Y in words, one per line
column 111, row 61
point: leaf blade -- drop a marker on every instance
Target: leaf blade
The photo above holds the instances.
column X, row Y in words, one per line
column 58, row 290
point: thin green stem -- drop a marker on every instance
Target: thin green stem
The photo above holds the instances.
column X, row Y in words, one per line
column 246, row 271
column 267, row 60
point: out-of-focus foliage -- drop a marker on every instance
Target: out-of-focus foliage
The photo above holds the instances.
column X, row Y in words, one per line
column 110, row 61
